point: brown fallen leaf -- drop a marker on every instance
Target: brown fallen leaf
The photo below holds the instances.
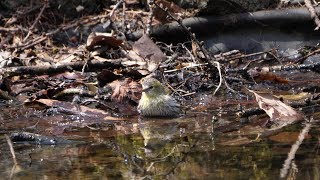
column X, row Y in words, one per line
column 287, row 137
column 102, row 39
column 278, row 112
column 127, row 88
column 147, row 52
column 260, row 76
column 106, row 76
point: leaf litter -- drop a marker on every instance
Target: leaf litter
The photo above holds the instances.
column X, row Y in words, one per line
column 102, row 70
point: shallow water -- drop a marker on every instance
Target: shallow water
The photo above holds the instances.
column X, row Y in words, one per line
column 183, row 148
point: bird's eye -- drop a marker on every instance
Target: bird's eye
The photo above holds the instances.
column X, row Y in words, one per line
column 147, row 89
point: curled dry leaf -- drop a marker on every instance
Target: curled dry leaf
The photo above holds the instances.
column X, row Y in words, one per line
column 102, row 39
column 126, row 88
column 279, row 112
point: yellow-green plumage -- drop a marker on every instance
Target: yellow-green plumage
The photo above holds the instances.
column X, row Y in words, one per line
column 156, row 101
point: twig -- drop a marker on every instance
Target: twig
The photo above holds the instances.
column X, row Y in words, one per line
column 124, row 16
column 294, row 149
column 314, row 66
column 313, row 13
column 188, row 94
column 249, row 55
column 186, row 67
column 11, row 149
column 151, row 15
column 220, row 77
column 35, row 21
column 308, row 55
column 115, row 7
column 190, row 54
column 39, row 15
column 10, row 29
column 35, row 42
column 227, row 85
column 200, row 45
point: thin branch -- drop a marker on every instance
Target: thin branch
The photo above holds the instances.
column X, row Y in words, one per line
column 220, row 77
column 314, row 67
column 313, row 13
column 39, row 16
column 11, row 149
column 151, row 15
column 115, row 7
column 294, row 149
column 35, row 22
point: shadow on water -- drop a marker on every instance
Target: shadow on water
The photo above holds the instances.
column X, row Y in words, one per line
column 183, row 148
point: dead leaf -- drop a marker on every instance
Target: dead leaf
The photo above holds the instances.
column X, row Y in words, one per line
column 69, row 75
column 148, row 52
column 279, row 112
column 106, row 76
column 127, row 88
column 287, row 137
column 136, row 60
column 194, row 47
column 161, row 16
column 102, row 39
column 261, row 75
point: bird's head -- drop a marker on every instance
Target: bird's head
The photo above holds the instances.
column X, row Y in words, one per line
column 152, row 87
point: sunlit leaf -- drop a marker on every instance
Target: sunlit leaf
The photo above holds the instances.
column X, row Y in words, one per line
column 148, row 52
column 275, row 109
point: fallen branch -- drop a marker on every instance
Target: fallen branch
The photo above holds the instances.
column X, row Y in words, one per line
column 37, row 70
column 273, row 18
column 314, row 67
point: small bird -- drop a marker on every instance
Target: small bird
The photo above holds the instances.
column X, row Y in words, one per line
column 156, row 101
